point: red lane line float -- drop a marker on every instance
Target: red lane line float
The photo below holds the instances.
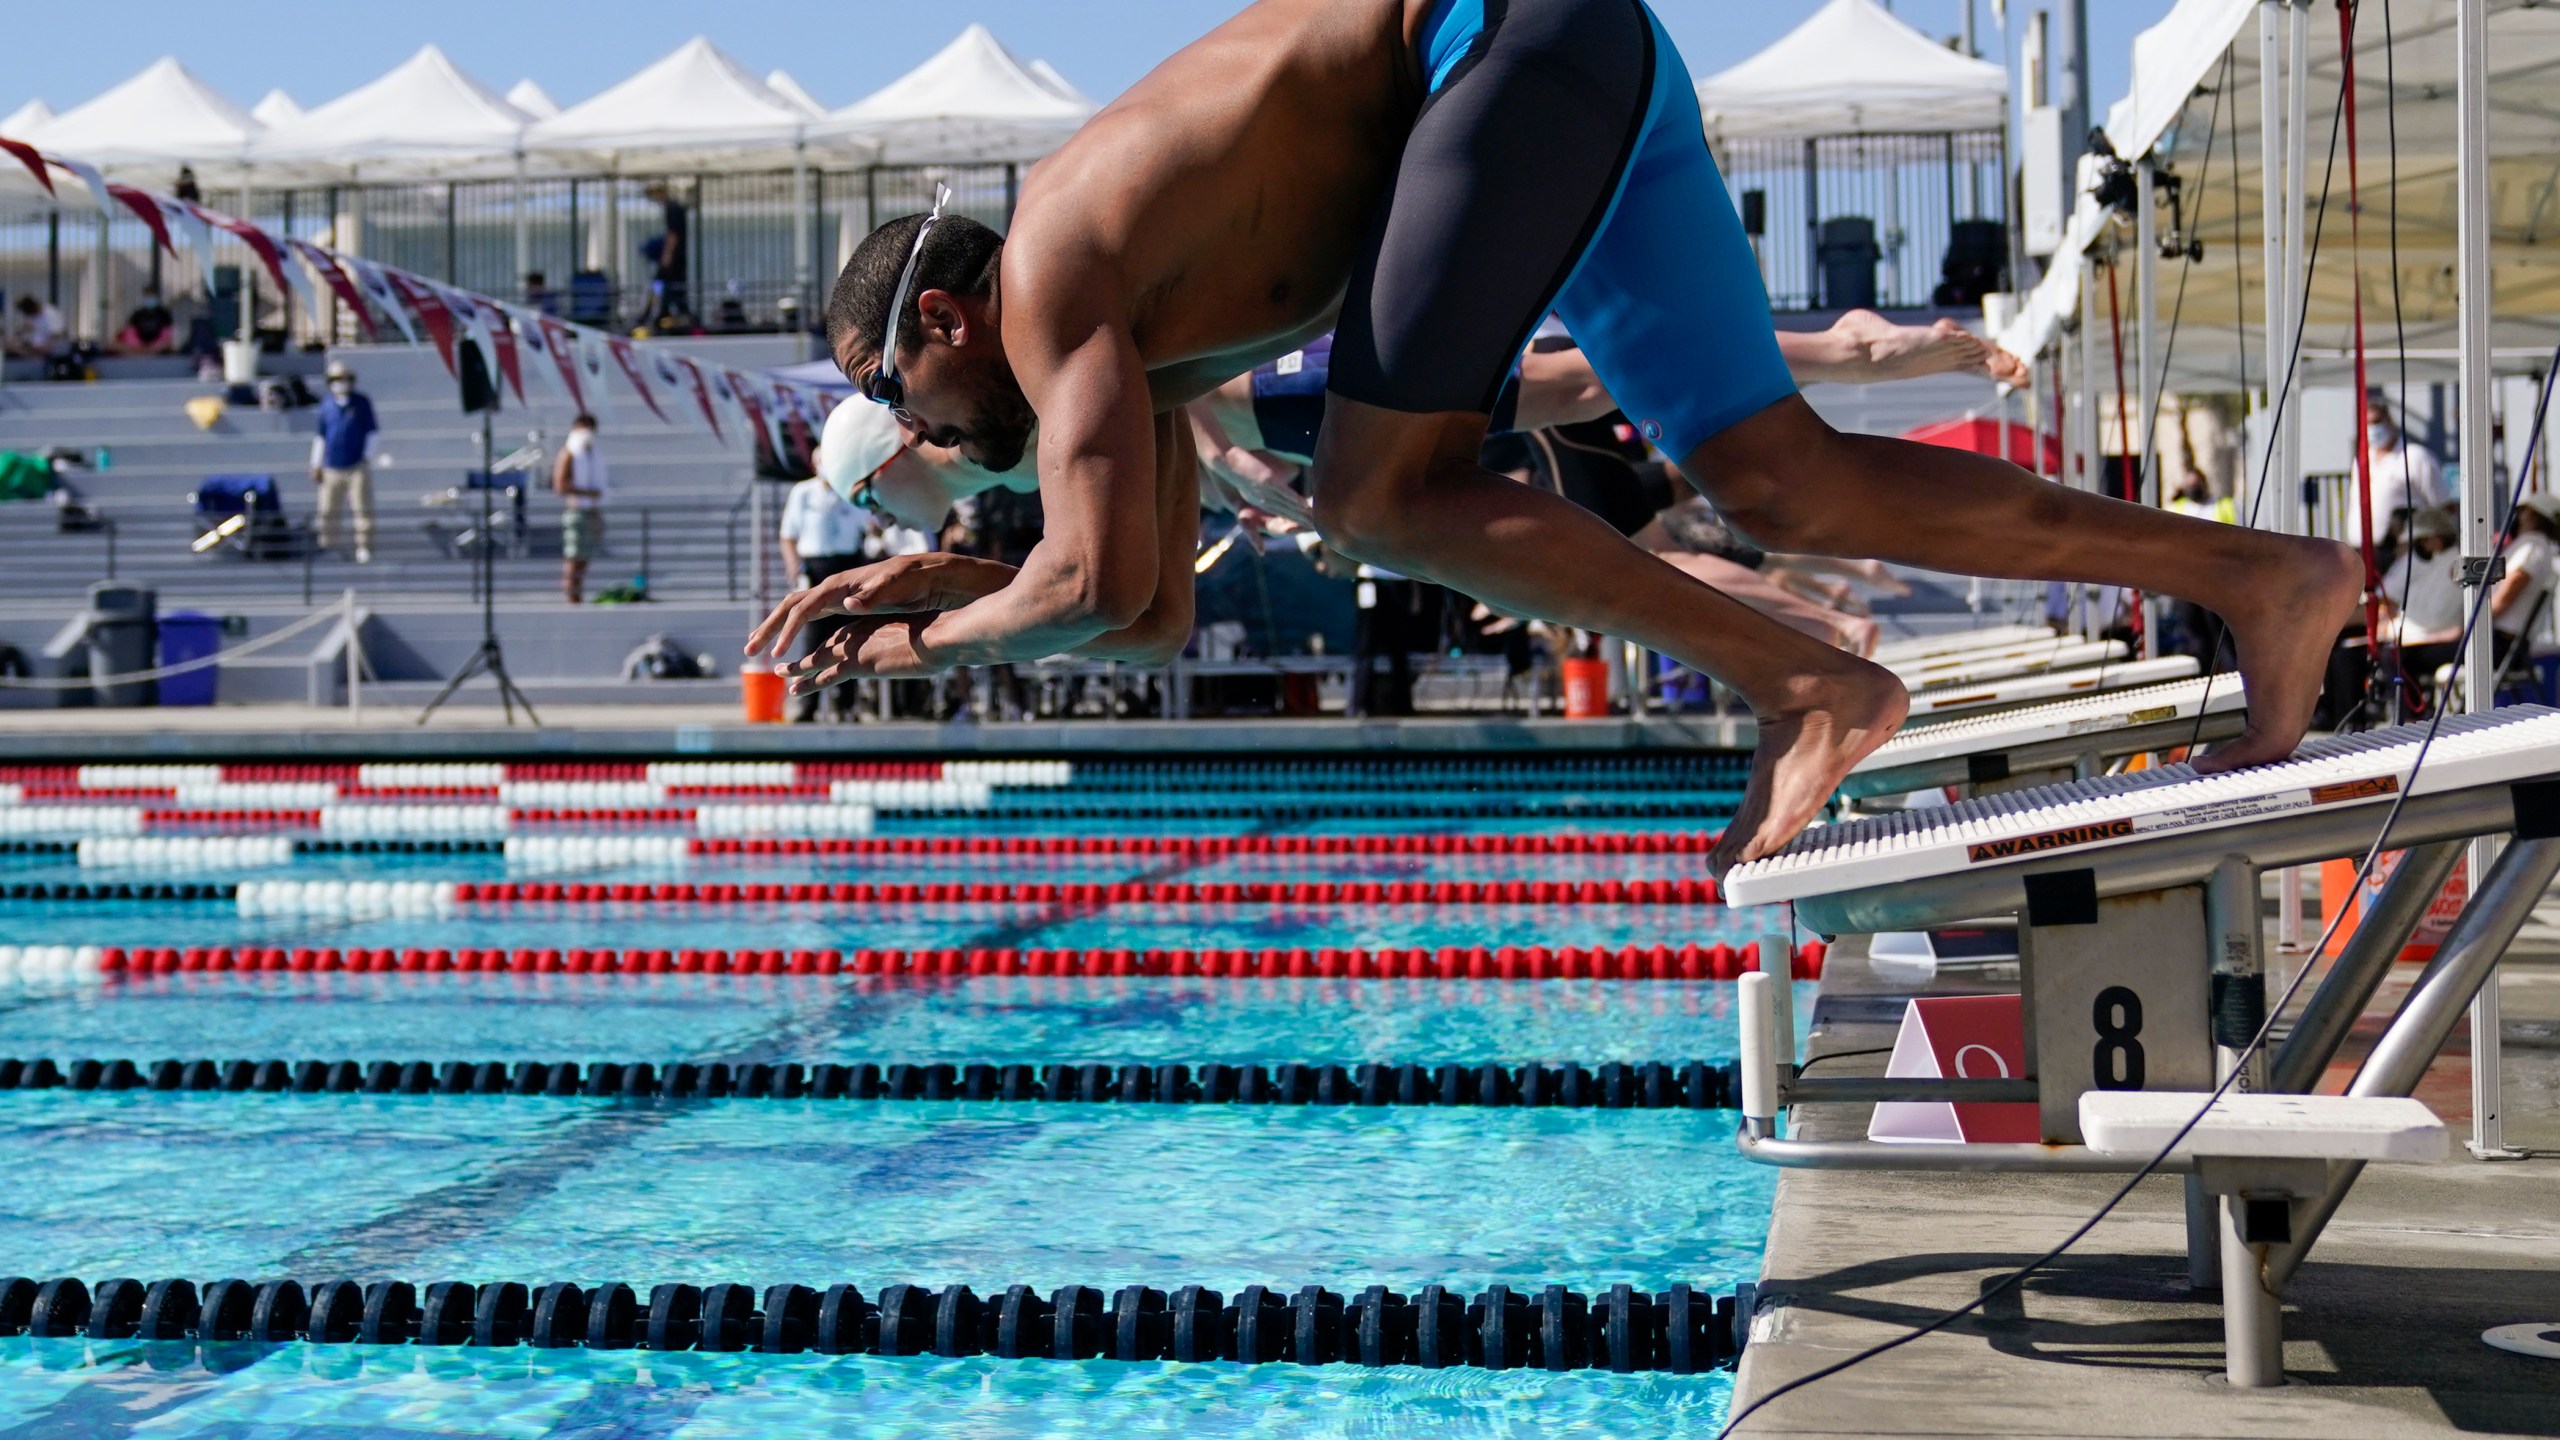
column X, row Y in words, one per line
column 1507, row 962
column 1213, row 846
column 1310, row 892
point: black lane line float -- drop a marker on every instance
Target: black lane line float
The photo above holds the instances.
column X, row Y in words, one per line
column 1682, row 1330
column 1614, row 1085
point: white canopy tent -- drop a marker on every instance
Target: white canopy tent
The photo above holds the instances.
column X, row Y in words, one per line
column 23, row 122
column 1852, row 68
column 532, row 99
column 161, row 118
column 695, row 106
column 424, row 117
column 973, row 102
column 2186, row 94
column 276, row 108
column 781, row 83
column 1047, row 74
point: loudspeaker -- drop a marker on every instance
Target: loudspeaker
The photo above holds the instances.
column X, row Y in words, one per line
column 479, row 382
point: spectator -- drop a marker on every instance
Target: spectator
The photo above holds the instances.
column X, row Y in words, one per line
column 150, row 329
column 2194, row 496
column 669, row 255
column 2192, row 629
column 2516, row 602
column 539, row 297
column 36, row 331
column 823, row 534
column 580, row 479
column 2406, row 477
column 186, row 189
column 2429, row 610
column 342, row 461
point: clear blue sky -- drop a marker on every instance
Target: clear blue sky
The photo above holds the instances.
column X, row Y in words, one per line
column 840, row 50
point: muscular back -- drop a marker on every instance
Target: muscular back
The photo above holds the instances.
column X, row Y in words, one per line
column 1215, row 207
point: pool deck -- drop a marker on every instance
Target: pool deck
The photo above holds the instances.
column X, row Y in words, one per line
column 479, row 731
column 2382, row 1325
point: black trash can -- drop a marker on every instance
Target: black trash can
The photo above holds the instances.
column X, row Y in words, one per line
column 123, row 638
column 1849, row 258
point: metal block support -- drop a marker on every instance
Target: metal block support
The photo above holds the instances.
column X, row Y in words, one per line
column 2444, row 990
column 2367, row 957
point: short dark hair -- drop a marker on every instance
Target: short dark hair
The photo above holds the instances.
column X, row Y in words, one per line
column 583, row 419
column 959, row 257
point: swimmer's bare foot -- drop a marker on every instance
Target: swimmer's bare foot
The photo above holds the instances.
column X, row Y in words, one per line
column 2284, row 631
column 1904, row 352
column 1809, row 738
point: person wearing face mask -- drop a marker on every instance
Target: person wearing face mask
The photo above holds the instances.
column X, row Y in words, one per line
column 150, row 329
column 2406, row 476
column 342, row 462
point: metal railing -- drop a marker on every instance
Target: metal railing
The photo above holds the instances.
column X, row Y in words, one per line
column 673, row 549
column 1911, row 190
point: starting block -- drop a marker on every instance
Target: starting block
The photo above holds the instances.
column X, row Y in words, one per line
column 1992, row 662
column 2004, row 692
column 2141, row 946
column 2072, row 739
column 1951, row 642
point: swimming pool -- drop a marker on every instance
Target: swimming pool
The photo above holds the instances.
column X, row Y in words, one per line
column 878, row 1192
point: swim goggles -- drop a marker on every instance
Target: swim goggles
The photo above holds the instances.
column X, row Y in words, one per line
column 884, row 387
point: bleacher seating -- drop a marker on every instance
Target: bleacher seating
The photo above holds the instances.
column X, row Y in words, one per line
column 688, row 485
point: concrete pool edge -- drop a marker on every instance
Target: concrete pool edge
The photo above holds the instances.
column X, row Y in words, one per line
column 2382, row 1330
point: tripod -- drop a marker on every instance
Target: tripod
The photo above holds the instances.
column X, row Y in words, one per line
column 491, row 658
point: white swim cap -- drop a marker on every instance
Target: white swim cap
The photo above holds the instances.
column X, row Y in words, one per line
column 860, row 438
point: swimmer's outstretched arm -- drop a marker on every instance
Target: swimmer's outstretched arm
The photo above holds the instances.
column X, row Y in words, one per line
column 1097, row 567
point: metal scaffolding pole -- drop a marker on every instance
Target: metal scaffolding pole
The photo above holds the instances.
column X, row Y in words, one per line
column 2273, row 508
column 2480, row 515
column 524, row 229
column 803, row 225
column 2297, row 105
column 2144, row 445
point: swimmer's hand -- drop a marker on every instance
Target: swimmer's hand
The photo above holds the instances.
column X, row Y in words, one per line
column 903, row 585
column 875, row 647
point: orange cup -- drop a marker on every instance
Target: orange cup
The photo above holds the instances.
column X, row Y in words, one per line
column 763, row 691
column 1586, row 688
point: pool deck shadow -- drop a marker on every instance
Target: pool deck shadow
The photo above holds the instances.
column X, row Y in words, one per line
column 2382, row 1325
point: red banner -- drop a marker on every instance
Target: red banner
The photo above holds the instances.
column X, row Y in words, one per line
column 28, row 157
column 431, row 312
column 147, row 210
column 502, row 334
column 562, row 349
column 701, row 395
column 262, row 245
column 338, row 281
column 630, row 363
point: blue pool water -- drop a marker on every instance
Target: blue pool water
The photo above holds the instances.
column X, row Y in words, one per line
column 874, row 1193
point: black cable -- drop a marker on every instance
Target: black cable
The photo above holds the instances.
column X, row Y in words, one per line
column 2257, row 1042
column 1843, row 1055
column 2276, row 399
column 2266, row 1027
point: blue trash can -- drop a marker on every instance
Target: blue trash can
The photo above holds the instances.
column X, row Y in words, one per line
column 189, row 635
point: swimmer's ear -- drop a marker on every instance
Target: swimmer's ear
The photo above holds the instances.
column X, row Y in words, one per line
column 943, row 319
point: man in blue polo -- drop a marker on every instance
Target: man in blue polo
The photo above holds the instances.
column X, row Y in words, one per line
column 341, row 462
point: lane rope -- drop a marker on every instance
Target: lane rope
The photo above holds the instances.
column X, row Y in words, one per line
column 1689, row 962
column 1570, row 1085
column 1682, row 1330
